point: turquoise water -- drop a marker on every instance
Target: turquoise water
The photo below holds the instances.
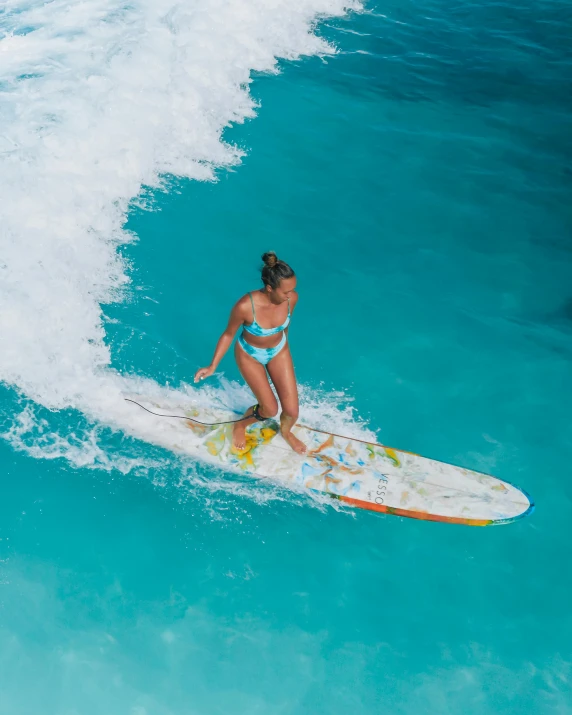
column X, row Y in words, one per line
column 418, row 181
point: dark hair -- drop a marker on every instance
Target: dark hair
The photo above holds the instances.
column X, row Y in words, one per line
column 274, row 270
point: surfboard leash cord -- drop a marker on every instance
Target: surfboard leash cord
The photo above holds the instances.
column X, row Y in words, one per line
column 255, row 413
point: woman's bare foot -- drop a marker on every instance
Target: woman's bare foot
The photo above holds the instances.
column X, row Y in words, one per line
column 239, row 436
column 296, row 444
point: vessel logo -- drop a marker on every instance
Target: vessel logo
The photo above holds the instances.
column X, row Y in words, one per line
column 381, row 489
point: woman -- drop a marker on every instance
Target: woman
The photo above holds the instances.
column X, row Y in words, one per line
column 263, row 352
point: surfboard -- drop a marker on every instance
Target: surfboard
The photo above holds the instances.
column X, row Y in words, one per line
column 357, row 473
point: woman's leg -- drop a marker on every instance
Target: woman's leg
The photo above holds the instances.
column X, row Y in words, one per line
column 256, row 378
column 281, row 370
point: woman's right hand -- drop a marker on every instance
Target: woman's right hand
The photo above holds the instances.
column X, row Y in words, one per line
column 204, row 372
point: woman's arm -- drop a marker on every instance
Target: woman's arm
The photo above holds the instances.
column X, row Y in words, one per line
column 293, row 302
column 224, row 342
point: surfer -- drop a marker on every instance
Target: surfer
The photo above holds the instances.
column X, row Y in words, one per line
column 263, row 354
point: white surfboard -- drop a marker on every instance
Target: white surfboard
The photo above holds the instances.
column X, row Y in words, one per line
column 361, row 474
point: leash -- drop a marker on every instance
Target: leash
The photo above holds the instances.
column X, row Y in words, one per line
column 255, row 413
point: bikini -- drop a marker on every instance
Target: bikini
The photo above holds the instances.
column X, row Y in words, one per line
column 263, row 355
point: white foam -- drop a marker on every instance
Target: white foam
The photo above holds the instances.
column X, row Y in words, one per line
column 101, row 98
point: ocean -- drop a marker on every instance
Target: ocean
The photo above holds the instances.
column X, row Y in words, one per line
column 412, row 162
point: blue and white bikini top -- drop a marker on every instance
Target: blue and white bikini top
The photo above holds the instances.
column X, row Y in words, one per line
column 255, row 329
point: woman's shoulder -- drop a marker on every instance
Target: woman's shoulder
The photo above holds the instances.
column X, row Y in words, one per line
column 243, row 305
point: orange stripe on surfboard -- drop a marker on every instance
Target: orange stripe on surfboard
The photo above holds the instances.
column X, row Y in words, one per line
column 423, row 515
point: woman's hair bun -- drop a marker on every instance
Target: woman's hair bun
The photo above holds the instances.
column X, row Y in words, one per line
column 274, row 270
column 270, row 259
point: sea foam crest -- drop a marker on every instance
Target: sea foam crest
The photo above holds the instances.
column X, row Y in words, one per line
column 101, row 98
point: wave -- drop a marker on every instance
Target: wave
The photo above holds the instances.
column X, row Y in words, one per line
column 101, row 100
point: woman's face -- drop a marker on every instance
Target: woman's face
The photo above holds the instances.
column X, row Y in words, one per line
column 283, row 291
